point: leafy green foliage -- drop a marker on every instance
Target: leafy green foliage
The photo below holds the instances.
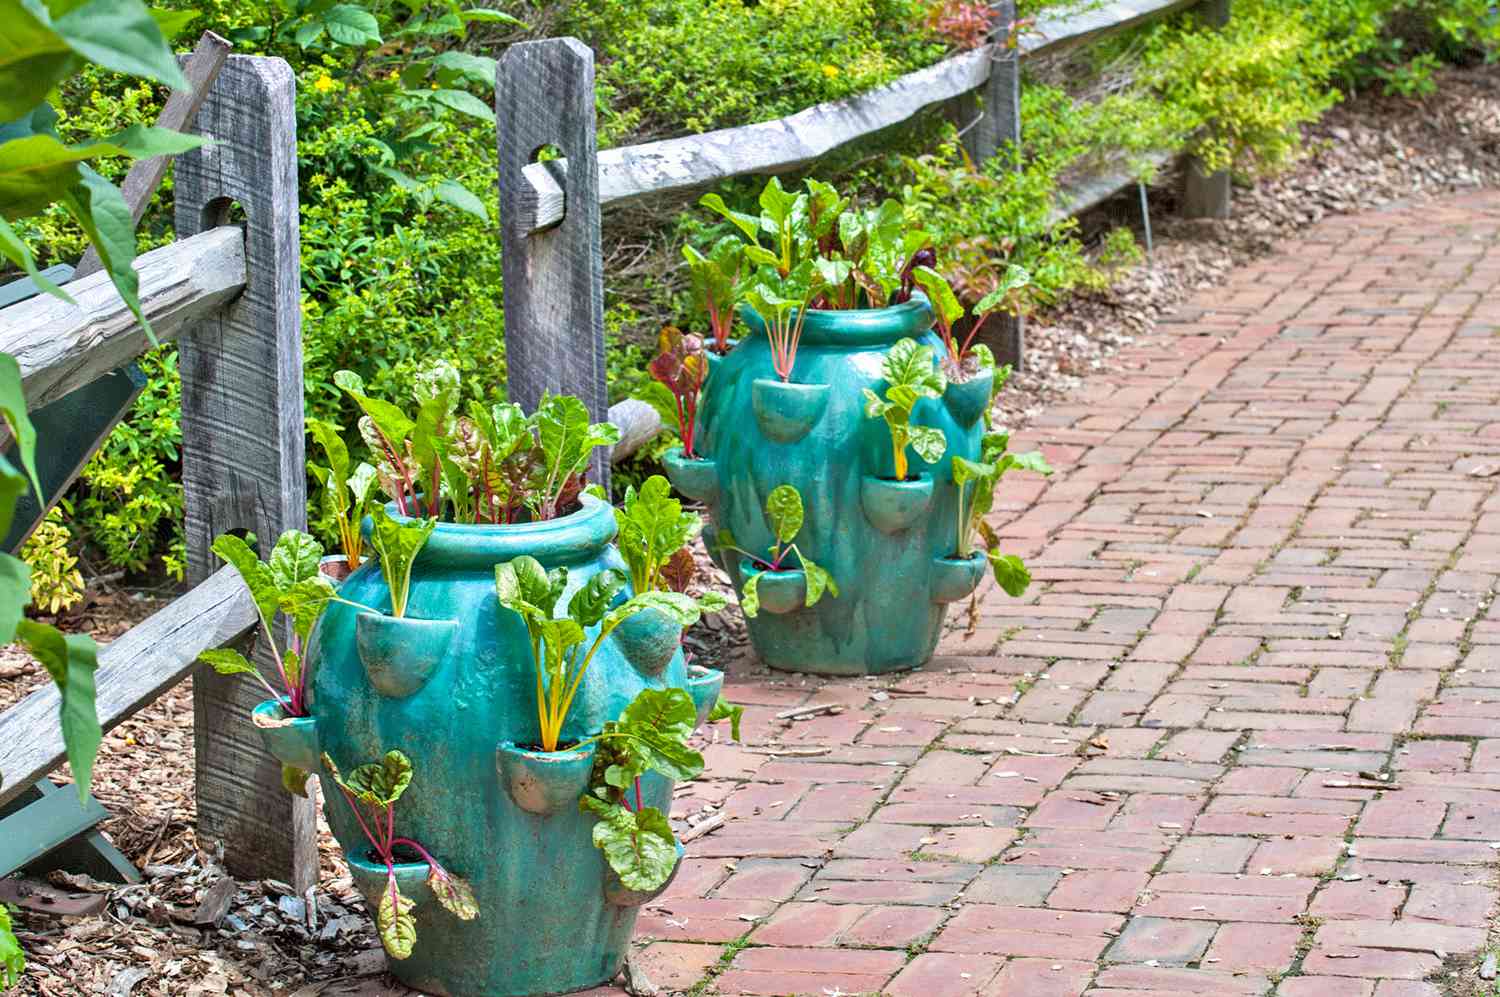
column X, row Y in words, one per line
column 678, row 373
column 977, row 482
column 346, row 488
column 56, row 582
column 12, row 959
column 723, row 709
column 910, row 374
column 398, row 543
column 784, row 514
column 372, row 791
column 653, row 530
column 638, row 844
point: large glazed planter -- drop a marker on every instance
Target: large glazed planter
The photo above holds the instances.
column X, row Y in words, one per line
column 882, row 540
column 453, row 687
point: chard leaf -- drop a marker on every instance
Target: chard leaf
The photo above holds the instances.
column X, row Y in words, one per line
column 747, row 224
column 337, row 454
column 398, row 545
column 668, row 713
column 680, row 608
column 525, row 587
column 639, row 846
column 294, row 780
column 228, row 661
column 1011, row 574
column 71, row 660
column 392, row 423
column 294, row 559
column 453, row 893
column 940, row 295
column 652, row 528
column 750, row 596
column 725, row 710
column 910, row 365
column 818, row 580
column 394, row 920
column 256, row 575
column 678, row 573
column 566, row 439
column 966, row 470
column 1031, row 460
column 929, row 443
column 784, row 512
column 589, row 604
column 381, row 782
column 875, row 408
column 360, row 483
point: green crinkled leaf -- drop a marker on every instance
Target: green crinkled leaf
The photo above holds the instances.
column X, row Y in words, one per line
column 639, row 846
column 71, row 660
column 394, row 921
column 382, row 782
column 910, row 365
column 667, row 712
column 966, row 470
column 652, row 527
column 591, row 602
column 398, row 545
column 228, row 661
column 294, row 559
column 453, row 893
column 784, row 512
column 392, row 423
column 336, row 453
column 725, row 710
column 929, row 443
column 526, row 587
column 750, row 596
column 255, row 573
column 818, row 581
column 294, row 780
column 1010, row 573
column 679, row 607
column 566, row 438
column 939, row 294
column 875, row 408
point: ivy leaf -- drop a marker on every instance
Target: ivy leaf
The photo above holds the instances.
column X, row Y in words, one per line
column 784, row 511
column 71, row 660
column 725, row 710
column 639, row 846
column 294, row 780
column 394, row 920
column 589, row 604
column 228, row 661
column 453, row 893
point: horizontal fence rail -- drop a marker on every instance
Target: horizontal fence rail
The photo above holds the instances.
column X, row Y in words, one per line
column 635, row 171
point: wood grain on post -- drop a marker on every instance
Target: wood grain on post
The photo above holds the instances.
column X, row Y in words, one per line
column 554, row 278
column 1204, row 194
column 242, row 440
column 998, row 131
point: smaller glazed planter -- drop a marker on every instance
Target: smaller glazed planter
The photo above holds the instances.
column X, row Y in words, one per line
column 704, row 685
column 544, row 782
column 954, row 578
column 648, row 640
column 695, row 477
column 401, row 653
column 892, row 506
column 335, row 567
column 618, row 894
column 787, row 412
column 781, row 592
column 290, row 740
column 967, row 400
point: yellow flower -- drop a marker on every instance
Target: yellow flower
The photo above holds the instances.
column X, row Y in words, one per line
column 830, row 71
column 324, row 84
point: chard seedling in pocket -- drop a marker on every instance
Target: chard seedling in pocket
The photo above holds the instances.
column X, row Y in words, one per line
column 977, row 481
column 654, row 530
column 910, row 374
column 371, row 792
column 566, row 439
column 715, row 280
column 560, row 647
column 398, row 545
column 784, row 513
column 679, row 370
column 346, row 490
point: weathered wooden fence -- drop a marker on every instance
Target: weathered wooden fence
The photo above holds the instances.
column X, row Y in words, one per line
column 229, row 295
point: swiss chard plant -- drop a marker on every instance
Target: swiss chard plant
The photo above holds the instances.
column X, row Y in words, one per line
column 653, row 538
column 910, row 375
column 560, row 645
column 678, row 373
column 397, row 544
column 715, row 280
column 371, row 791
column 977, row 481
column 346, row 488
column 964, row 360
column 784, row 513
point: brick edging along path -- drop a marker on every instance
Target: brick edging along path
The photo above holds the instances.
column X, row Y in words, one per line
column 1243, row 734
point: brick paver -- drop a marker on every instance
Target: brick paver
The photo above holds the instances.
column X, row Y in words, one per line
column 1243, row 734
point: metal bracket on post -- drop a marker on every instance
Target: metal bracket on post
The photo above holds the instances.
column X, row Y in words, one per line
column 554, row 278
column 242, row 441
column 1207, row 195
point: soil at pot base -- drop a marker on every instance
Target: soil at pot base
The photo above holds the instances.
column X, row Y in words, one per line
column 885, row 618
column 544, row 925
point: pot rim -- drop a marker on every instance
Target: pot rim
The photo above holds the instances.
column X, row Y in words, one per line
column 579, row 536
column 856, row 326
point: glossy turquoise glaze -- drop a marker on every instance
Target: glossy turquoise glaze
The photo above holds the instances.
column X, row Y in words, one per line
column 290, row 740
column 878, row 538
column 545, row 923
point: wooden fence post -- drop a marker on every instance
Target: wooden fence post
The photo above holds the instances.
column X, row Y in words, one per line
column 554, row 277
column 242, row 441
column 1207, row 195
column 999, row 129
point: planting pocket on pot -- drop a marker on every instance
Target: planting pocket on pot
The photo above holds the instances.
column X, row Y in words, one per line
column 697, row 478
column 780, row 591
column 401, row 653
column 290, row 740
column 648, row 639
column 953, row 578
column 704, row 685
column 369, row 875
column 544, row 782
column 892, row 506
column 967, row 400
column 618, row 894
column 787, row 412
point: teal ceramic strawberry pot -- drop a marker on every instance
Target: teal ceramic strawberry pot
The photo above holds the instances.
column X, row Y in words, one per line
column 881, row 539
column 452, row 686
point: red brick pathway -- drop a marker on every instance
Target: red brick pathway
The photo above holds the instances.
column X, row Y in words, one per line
column 1243, row 736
